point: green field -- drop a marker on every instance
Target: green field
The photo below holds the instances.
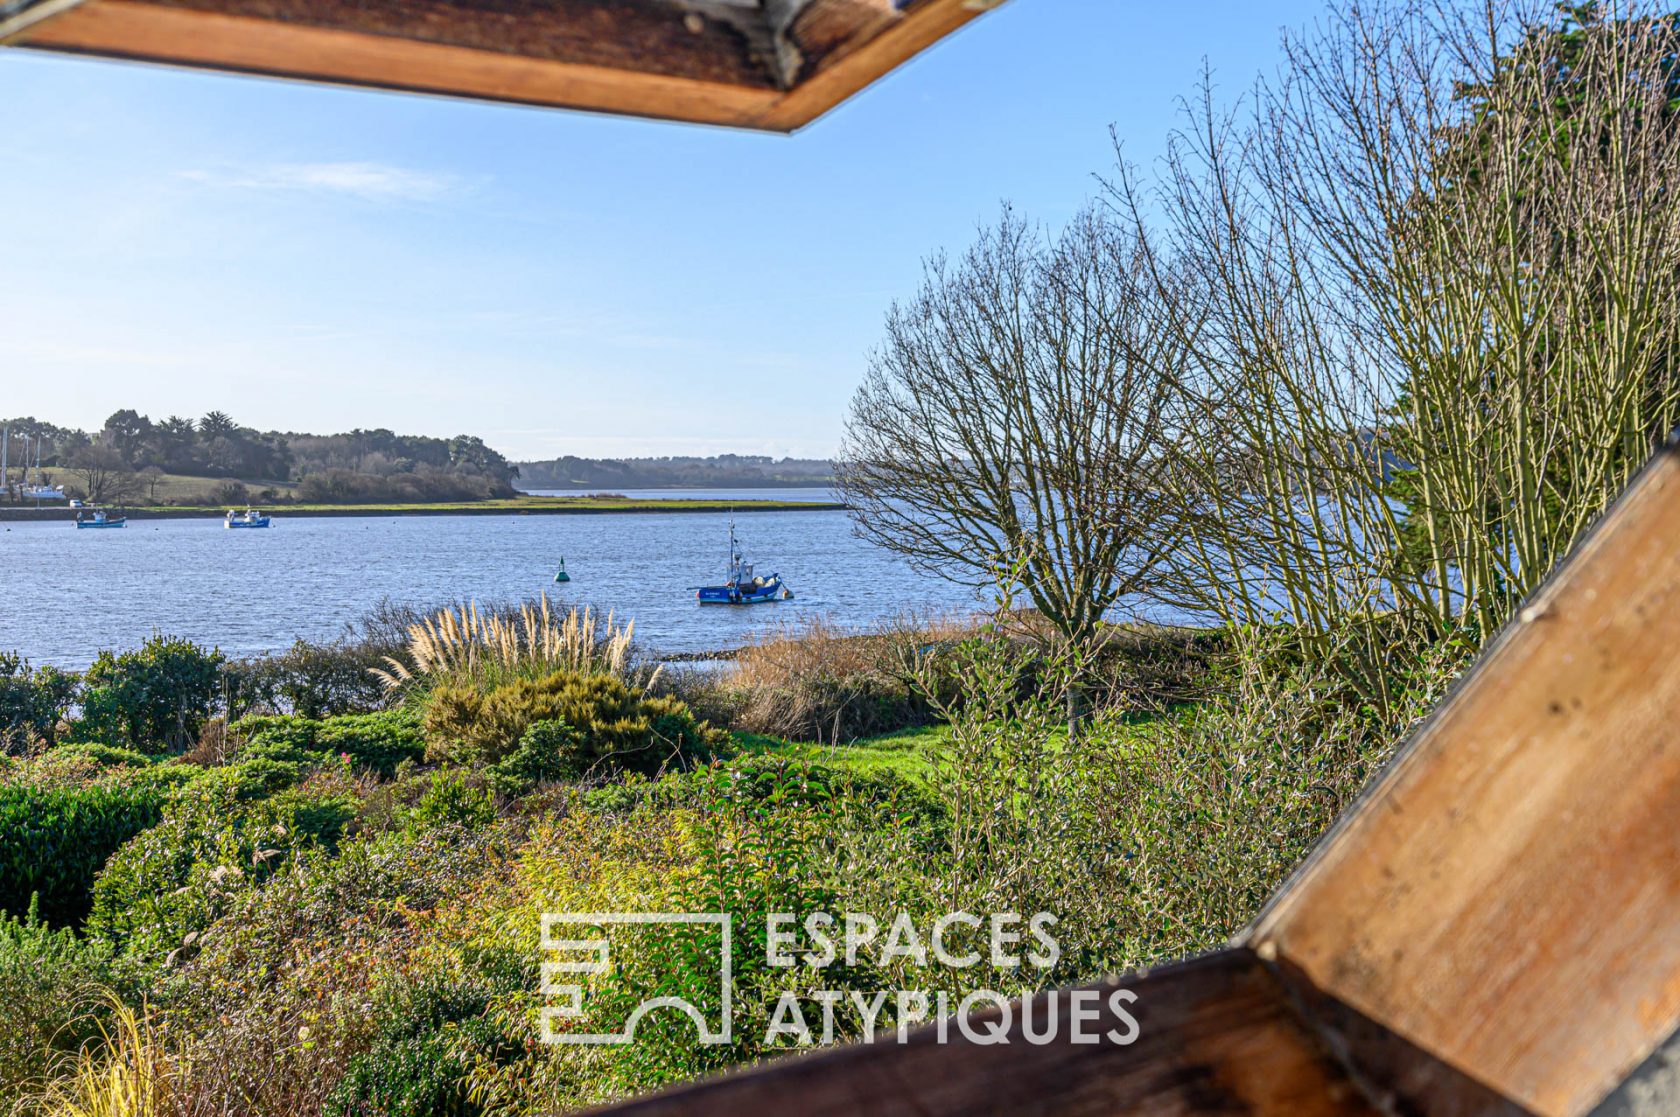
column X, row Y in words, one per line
column 906, row 753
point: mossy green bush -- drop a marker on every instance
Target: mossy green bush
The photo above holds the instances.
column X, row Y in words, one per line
column 615, row 725
column 107, row 754
column 33, row 700
column 379, row 741
column 431, row 1037
column 55, row 840
column 172, row 880
column 547, row 751
column 155, row 699
column 268, row 734
column 453, row 800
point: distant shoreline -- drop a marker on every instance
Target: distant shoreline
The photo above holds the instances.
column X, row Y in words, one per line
column 519, row 506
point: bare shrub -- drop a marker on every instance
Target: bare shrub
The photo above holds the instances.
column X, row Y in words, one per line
column 818, row 682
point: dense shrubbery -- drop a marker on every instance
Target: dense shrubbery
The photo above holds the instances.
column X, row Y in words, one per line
column 818, row 683
column 308, row 868
column 166, row 886
column 32, row 701
column 379, row 741
column 52, row 983
column 155, row 699
column 314, row 680
column 53, row 841
column 582, row 723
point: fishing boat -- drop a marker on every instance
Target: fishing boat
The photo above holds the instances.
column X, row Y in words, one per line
column 246, row 518
column 741, row 586
column 100, row 519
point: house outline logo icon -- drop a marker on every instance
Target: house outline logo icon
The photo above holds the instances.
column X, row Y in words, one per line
column 599, row 957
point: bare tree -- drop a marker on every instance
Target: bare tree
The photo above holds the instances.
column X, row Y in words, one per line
column 1442, row 250
column 151, row 477
column 1010, row 427
column 103, row 473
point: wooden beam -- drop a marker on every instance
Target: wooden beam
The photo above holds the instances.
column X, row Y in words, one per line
column 241, row 43
column 700, row 61
column 844, row 71
column 1507, row 897
column 1215, row 1036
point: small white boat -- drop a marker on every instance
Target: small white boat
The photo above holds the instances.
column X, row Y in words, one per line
column 246, row 518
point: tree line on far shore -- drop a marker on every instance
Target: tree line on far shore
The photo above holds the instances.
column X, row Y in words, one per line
column 131, row 458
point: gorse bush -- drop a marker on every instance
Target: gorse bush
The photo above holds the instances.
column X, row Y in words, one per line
column 610, row 725
column 54, row 841
column 155, row 699
column 32, row 702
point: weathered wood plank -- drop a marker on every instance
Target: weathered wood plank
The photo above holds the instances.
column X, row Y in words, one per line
column 1508, row 896
column 1215, row 1036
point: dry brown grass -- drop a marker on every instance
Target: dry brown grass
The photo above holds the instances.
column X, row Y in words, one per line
column 815, row 681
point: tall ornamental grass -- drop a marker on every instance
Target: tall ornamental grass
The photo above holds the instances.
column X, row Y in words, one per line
column 484, row 648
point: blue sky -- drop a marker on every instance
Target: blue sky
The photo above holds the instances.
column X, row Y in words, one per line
column 308, row 258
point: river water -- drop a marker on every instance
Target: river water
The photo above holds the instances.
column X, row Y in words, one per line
column 67, row 594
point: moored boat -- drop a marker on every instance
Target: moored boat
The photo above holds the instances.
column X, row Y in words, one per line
column 100, row 519
column 246, row 518
column 741, row 586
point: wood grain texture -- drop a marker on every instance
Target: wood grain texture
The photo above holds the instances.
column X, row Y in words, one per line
column 140, row 31
column 843, row 72
column 1216, row 1036
column 1507, row 898
column 649, row 58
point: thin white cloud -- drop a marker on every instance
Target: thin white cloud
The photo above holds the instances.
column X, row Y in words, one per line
column 375, row 182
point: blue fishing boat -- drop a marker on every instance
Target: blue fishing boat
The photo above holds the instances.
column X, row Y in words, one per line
column 100, row 519
column 246, row 518
column 740, row 585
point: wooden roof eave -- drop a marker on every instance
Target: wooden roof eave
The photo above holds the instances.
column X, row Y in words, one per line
column 703, row 61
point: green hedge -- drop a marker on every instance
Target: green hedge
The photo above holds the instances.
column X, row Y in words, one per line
column 55, row 841
column 178, row 876
column 379, row 741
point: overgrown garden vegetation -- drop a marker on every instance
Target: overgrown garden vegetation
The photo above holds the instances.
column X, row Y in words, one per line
column 1410, row 328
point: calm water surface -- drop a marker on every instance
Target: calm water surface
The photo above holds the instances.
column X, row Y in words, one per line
column 66, row 594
